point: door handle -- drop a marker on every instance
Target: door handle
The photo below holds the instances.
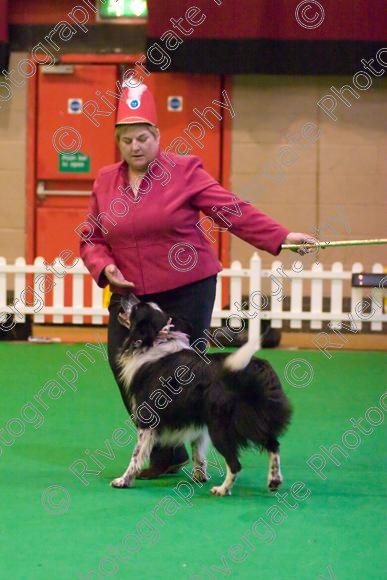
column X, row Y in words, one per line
column 58, row 69
column 42, row 192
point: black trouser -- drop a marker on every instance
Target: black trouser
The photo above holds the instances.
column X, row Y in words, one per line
column 193, row 303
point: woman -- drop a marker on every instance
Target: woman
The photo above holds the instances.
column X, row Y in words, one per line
column 144, row 234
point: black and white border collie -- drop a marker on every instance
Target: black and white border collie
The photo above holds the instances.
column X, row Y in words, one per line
column 235, row 400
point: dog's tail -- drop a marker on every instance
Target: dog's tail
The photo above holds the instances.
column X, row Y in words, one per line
column 239, row 359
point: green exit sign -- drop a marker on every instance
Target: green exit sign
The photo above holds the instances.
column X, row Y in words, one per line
column 112, row 9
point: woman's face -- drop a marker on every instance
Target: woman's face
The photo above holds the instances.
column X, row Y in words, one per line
column 138, row 146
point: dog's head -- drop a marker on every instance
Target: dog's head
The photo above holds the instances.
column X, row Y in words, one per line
column 145, row 321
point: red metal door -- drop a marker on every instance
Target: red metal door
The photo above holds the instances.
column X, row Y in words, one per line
column 70, row 150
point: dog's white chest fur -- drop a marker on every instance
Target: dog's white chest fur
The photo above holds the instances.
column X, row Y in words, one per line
column 130, row 364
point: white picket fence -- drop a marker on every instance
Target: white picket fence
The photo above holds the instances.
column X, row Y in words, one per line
column 267, row 289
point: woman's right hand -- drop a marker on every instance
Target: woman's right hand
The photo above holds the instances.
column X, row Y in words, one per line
column 115, row 277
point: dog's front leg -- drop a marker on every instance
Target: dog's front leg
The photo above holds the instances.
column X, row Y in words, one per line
column 145, row 442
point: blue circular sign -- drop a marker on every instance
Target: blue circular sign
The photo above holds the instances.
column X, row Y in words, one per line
column 175, row 103
column 75, row 105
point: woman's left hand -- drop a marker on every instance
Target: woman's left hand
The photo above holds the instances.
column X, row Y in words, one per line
column 300, row 238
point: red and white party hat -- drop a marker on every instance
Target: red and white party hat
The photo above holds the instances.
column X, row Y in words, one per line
column 136, row 105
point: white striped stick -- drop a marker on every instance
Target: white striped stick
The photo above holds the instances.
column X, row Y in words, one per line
column 324, row 245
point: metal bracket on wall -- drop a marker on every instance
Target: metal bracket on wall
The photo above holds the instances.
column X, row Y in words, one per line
column 42, row 193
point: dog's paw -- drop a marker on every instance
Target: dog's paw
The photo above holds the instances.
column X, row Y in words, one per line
column 273, row 484
column 199, row 476
column 220, row 490
column 120, row 482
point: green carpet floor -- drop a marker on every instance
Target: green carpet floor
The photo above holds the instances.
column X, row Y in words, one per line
column 53, row 526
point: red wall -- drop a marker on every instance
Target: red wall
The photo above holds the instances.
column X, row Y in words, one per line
column 3, row 20
column 43, row 11
column 275, row 19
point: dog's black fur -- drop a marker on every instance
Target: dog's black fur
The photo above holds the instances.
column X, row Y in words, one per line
column 239, row 406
